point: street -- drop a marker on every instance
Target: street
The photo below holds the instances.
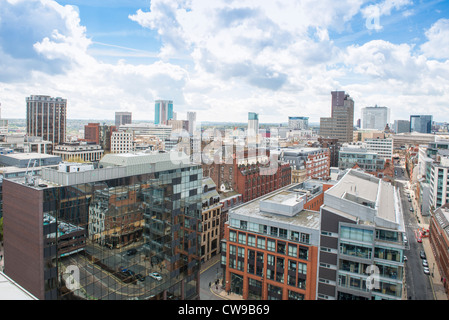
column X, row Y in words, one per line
column 417, row 282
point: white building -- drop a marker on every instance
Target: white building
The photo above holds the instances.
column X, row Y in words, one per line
column 80, row 151
column 122, row 142
column 375, row 117
column 383, row 147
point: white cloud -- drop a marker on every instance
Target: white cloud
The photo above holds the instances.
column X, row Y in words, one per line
column 437, row 45
column 277, row 58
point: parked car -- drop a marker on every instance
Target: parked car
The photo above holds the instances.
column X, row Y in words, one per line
column 419, row 240
column 405, row 258
column 424, row 263
column 411, row 209
column 422, row 254
column 156, row 276
column 131, row 252
column 140, row 277
column 426, row 270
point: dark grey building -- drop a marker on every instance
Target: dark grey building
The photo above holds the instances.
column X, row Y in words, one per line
column 421, row 123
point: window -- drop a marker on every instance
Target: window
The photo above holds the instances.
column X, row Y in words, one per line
column 271, row 245
column 232, row 236
column 251, row 240
column 294, row 236
column 281, row 247
column 305, row 238
column 242, row 238
column 261, row 243
column 283, row 233
column 274, row 231
column 292, row 250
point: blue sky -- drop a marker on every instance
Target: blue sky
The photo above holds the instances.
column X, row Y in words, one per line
column 225, row 58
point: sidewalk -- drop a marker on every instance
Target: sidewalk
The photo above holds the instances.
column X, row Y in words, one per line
column 435, row 276
column 219, row 289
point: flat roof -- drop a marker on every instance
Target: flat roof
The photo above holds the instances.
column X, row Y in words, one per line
column 9, row 290
column 358, row 186
column 304, row 218
column 26, row 156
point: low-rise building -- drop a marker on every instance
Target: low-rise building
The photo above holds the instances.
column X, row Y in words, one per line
column 79, row 151
column 270, row 249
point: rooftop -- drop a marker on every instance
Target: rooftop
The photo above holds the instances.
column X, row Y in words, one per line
column 271, row 207
column 9, row 290
column 366, row 190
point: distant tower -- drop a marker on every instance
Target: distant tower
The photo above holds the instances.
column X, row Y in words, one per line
column 163, row 111
column 253, row 124
column 191, row 117
column 340, row 125
column 123, row 117
column 46, row 117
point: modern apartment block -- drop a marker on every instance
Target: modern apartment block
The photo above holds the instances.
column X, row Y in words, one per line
column 270, row 249
column 163, row 111
column 130, row 229
column 341, row 123
column 352, row 155
column 122, row 118
column 46, row 117
column 439, row 182
column 361, row 240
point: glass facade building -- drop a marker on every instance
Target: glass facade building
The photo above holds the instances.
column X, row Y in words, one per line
column 119, row 237
column 421, row 123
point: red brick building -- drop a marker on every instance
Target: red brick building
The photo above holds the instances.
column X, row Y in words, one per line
column 270, row 251
column 251, row 180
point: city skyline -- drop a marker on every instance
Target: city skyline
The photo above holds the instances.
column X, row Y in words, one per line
column 223, row 60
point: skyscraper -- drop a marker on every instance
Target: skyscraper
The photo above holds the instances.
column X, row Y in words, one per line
column 46, row 117
column 191, row 117
column 341, row 123
column 253, row 124
column 375, row 117
column 421, row 123
column 122, row 118
column 163, row 111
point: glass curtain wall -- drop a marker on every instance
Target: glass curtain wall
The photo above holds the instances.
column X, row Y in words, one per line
column 132, row 238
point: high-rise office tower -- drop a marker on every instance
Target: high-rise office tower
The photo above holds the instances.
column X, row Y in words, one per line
column 421, row 123
column 46, row 117
column 341, row 123
column 375, row 117
column 191, row 117
column 253, row 124
column 163, row 111
column 122, row 118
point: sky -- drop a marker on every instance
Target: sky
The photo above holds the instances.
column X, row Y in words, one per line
column 225, row 58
